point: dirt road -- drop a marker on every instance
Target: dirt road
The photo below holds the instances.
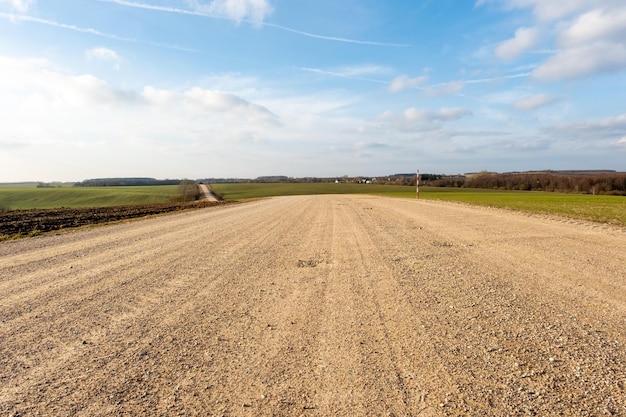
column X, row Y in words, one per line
column 317, row 306
column 206, row 191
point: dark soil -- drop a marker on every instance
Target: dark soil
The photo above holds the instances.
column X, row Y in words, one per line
column 16, row 223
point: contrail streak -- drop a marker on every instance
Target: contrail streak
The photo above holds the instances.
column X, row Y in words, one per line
column 341, row 75
column 91, row 31
column 271, row 25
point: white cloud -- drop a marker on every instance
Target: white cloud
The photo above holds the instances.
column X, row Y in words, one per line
column 201, row 101
column 403, row 82
column 621, row 143
column 20, row 6
column 524, row 39
column 421, row 120
column 34, row 83
column 250, row 10
column 92, row 128
column 533, row 102
column 364, row 146
column 545, row 9
column 452, row 113
column 46, row 104
column 606, row 129
column 582, row 61
column 594, row 43
column 104, row 54
column 551, row 9
column 364, row 69
column 198, row 102
column 596, row 25
column 446, row 89
column 39, row 80
column 590, row 37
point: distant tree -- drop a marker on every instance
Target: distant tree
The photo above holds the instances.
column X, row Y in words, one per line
column 188, row 190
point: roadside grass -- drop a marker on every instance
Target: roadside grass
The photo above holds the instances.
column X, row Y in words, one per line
column 24, row 198
column 597, row 208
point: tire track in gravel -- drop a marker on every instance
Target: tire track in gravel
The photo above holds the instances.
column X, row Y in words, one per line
column 246, row 237
column 504, row 298
column 113, row 266
column 91, row 245
column 372, row 380
column 316, row 305
column 125, row 306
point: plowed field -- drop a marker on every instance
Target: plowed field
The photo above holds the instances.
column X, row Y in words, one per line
column 317, row 306
column 28, row 222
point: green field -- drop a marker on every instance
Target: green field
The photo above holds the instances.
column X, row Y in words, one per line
column 598, row 208
column 258, row 190
column 604, row 209
column 23, row 198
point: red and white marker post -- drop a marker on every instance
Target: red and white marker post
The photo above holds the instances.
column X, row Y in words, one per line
column 417, row 185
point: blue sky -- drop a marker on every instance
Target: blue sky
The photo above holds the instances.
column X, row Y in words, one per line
column 244, row 88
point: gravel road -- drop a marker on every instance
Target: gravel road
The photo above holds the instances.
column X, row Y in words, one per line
column 317, row 306
column 206, row 191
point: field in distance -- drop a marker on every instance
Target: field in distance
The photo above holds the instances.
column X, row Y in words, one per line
column 29, row 197
column 597, row 208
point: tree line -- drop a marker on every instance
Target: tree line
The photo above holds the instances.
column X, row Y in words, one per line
column 606, row 183
column 124, row 182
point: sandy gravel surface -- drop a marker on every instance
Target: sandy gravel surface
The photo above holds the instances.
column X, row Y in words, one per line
column 317, row 306
column 206, row 191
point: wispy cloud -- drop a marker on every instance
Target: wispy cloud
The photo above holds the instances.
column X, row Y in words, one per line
column 534, row 102
column 455, row 87
column 497, row 78
column 403, row 82
column 544, row 9
column 91, row 31
column 607, row 130
column 444, row 114
column 340, row 74
column 238, row 10
column 444, row 89
column 414, row 120
column 620, row 143
column 334, row 38
column 21, row 6
column 212, row 14
column 104, row 54
column 365, row 69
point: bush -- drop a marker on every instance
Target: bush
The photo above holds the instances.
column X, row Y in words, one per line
column 188, row 190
